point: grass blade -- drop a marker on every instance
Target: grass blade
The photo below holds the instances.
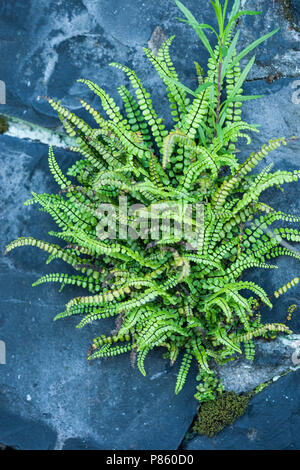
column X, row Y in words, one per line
column 194, row 23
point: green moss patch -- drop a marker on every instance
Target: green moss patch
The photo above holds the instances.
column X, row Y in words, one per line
column 3, row 125
column 216, row 414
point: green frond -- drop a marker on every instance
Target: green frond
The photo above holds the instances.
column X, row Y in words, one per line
column 155, row 332
column 48, row 247
column 145, row 104
column 261, row 331
column 134, row 115
column 129, row 141
column 108, row 104
column 175, row 138
column 183, row 371
column 197, row 111
column 166, row 70
column 200, row 354
column 85, row 282
column 70, row 117
column 287, row 286
column 141, row 356
column 96, row 115
column 224, row 190
column 222, row 338
column 109, row 351
column 61, row 180
column 101, row 340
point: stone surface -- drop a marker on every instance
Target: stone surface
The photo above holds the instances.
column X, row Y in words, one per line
column 272, row 359
column 54, row 43
column 271, row 422
column 281, row 52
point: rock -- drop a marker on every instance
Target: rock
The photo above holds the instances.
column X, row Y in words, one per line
column 54, row 43
column 281, row 52
column 3, row 125
column 157, row 39
column 22, row 433
column 271, row 422
column 291, row 11
column 272, row 358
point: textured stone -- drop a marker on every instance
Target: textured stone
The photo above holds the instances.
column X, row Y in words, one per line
column 54, row 43
column 271, row 422
column 272, row 359
column 280, row 53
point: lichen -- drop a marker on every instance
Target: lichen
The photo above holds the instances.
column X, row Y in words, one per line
column 287, row 9
column 216, row 414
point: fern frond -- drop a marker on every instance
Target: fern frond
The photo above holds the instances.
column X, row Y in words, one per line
column 287, row 286
column 183, row 371
column 145, row 104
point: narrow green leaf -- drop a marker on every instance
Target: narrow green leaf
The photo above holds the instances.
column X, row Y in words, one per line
column 252, row 46
column 235, row 90
column 239, row 98
column 199, row 25
column 242, row 77
column 194, row 23
column 185, row 88
column 235, row 9
column 224, row 10
column 203, row 87
column 229, row 55
column 224, row 51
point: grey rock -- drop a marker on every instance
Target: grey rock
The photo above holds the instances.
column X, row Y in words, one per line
column 16, row 127
column 157, row 39
column 54, row 43
column 21, row 433
column 295, row 12
column 281, row 52
column 272, row 359
column 271, row 422
column 80, row 444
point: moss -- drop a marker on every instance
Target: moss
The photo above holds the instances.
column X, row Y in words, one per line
column 287, row 9
column 3, row 125
column 216, row 414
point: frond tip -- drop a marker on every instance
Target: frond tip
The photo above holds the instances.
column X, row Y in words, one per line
column 286, row 286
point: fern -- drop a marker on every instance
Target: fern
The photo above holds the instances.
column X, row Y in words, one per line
column 178, row 289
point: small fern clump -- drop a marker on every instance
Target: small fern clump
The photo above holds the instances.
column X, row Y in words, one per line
column 122, row 207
